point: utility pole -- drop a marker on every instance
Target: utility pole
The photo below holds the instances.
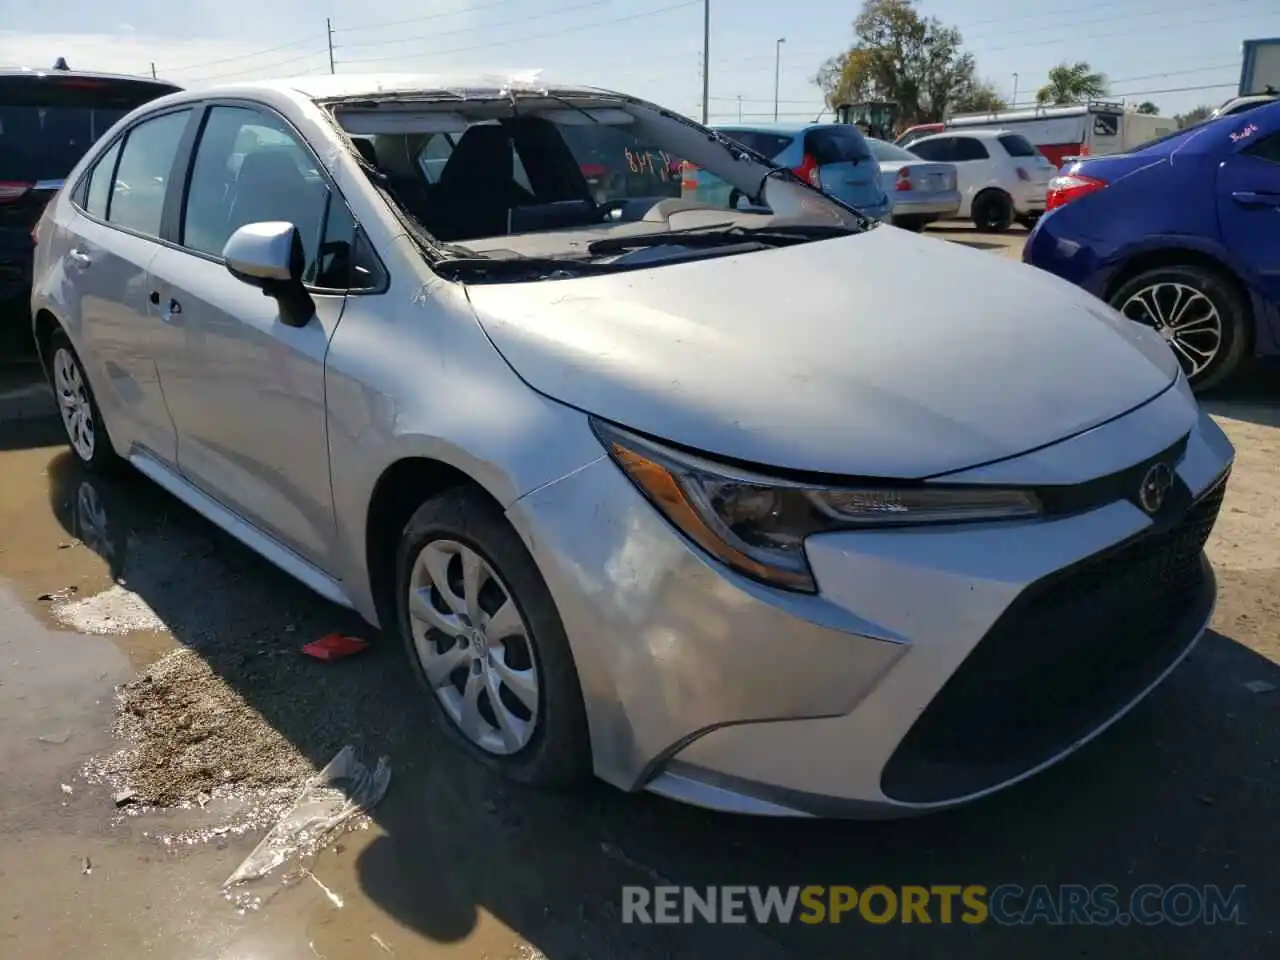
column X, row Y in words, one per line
column 777, row 73
column 328, row 26
column 706, row 56
column 739, row 108
column 1014, row 102
column 153, row 70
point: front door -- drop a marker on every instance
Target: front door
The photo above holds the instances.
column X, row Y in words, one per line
column 1249, row 200
column 245, row 389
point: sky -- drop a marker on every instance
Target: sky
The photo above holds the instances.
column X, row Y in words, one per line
column 1176, row 53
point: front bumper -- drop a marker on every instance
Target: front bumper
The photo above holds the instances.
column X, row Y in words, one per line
column 872, row 698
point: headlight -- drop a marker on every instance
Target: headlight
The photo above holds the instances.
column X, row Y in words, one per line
column 757, row 525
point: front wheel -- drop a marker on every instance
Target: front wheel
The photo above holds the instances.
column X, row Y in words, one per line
column 1201, row 313
column 487, row 643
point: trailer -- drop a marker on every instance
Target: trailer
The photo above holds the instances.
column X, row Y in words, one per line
column 1095, row 128
column 1259, row 67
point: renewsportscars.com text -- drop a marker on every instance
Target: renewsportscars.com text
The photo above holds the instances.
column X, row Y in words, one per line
column 1008, row 904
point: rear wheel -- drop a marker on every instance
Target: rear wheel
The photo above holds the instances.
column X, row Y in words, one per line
column 81, row 417
column 992, row 211
column 1201, row 313
column 484, row 635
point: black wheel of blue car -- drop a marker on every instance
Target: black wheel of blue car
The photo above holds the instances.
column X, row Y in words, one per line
column 1200, row 312
column 486, row 640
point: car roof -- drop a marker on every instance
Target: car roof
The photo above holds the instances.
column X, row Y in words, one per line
column 11, row 72
column 781, row 129
column 343, row 86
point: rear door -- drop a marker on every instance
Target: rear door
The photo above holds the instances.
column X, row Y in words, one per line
column 1249, row 199
column 846, row 168
column 970, row 158
column 1035, row 166
column 106, row 257
column 47, row 123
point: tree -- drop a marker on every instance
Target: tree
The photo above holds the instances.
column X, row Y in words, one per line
column 1149, row 108
column 978, row 97
column 1071, row 83
column 900, row 56
column 1193, row 116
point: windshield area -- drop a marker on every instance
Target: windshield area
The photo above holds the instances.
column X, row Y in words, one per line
column 539, row 179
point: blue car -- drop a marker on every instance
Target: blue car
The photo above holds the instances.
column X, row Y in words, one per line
column 834, row 157
column 1182, row 234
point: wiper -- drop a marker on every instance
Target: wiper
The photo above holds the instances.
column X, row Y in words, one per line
column 481, row 269
column 782, row 235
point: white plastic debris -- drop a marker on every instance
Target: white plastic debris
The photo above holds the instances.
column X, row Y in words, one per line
column 340, row 791
column 1259, row 686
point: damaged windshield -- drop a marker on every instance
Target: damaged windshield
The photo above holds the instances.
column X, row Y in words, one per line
column 561, row 184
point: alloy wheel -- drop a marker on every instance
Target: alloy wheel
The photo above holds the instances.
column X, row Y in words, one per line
column 474, row 646
column 1185, row 317
column 74, row 403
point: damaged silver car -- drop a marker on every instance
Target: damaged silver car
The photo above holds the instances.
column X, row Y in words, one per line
column 726, row 504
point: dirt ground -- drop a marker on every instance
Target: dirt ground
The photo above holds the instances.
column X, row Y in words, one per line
column 143, row 650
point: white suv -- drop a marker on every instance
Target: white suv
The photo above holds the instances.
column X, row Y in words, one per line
column 1001, row 176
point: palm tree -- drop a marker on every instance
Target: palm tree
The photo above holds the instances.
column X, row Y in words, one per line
column 1071, row 83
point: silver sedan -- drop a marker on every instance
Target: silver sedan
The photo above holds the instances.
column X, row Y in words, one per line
column 722, row 504
column 920, row 191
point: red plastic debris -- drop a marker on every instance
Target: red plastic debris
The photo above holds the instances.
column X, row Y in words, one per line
column 334, row 646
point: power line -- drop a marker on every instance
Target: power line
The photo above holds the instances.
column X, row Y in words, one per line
column 1191, row 8
column 423, row 19
column 266, row 68
column 486, row 26
column 1103, row 36
column 245, row 56
column 539, row 36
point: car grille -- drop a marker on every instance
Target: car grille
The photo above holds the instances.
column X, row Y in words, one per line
column 1071, row 651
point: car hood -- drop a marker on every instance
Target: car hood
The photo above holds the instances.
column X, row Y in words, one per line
column 883, row 354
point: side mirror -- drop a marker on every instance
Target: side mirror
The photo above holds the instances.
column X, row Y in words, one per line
column 269, row 255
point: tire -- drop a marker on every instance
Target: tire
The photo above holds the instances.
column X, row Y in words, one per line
column 992, row 211
column 551, row 748
column 914, row 224
column 1153, row 292
column 78, row 407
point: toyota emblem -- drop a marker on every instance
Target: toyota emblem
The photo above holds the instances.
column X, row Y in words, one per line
column 1155, row 487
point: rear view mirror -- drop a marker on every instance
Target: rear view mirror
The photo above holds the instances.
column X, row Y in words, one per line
column 259, row 253
column 269, row 255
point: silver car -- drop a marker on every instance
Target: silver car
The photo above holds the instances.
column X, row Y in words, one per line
column 721, row 504
column 920, row 191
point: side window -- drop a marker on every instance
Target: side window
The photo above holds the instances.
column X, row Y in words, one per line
column 249, row 168
column 98, row 196
column 142, row 176
column 1268, row 148
column 939, row 151
column 347, row 260
column 968, row 148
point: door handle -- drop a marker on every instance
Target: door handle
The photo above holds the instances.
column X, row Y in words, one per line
column 155, row 297
column 1256, row 198
column 79, row 258
column 175, row 308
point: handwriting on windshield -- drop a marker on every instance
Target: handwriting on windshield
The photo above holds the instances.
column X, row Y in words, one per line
column 659, row 163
